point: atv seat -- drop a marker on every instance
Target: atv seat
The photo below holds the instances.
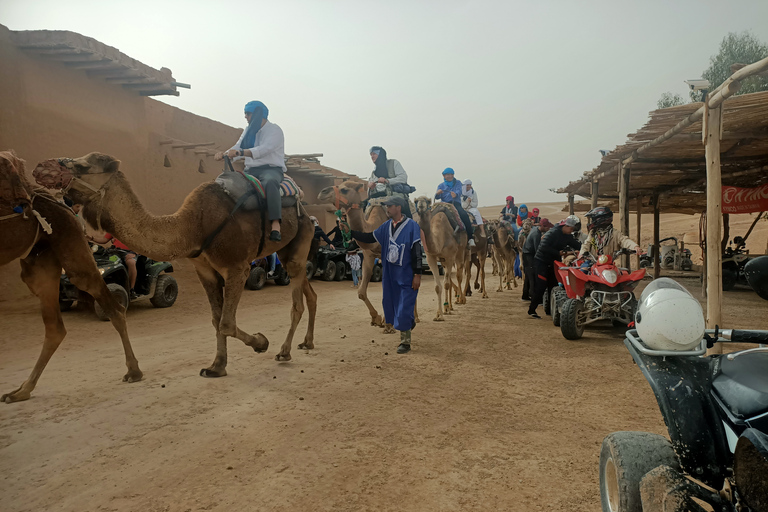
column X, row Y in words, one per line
column 741, row 384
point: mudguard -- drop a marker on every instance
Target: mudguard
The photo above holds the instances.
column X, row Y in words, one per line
column 756, row 272
column 682, row 386
column 750, row 467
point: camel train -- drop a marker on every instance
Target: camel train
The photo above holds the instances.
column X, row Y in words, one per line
column 46, row 237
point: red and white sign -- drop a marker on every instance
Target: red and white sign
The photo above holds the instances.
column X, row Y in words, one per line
column 745, row 200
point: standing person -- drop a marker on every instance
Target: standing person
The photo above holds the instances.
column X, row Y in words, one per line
column 556, row 240
column 353, row 258
column 400, row 240
column 509, row 212
column 388, row 172
column 529, row 252
column 262, row 145
column 470, row 202
column 449, row 191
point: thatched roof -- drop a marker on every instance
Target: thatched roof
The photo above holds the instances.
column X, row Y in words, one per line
column 676, row 168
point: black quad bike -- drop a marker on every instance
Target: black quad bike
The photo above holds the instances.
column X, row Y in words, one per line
column 716, row 412
column 331, row 265
column 260, row 274
column 152, row 280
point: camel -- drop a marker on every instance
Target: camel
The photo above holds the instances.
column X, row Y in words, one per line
column 477, row 257
column 43, row 254
column 444, row 244
column 347, row 197
column 505, row 252
column 222, row 264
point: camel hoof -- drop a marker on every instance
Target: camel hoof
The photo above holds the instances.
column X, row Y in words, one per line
column 477, row 286
column 281, row 357
column 16, row 396
column 211, row 373
column 307, row 345
column 439, row 319
column 133, row 376
column 389, row 330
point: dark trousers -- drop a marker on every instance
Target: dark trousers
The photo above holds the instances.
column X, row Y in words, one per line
column 529, row 283
column 270, row 178
column 465, row 219
column 544, row 278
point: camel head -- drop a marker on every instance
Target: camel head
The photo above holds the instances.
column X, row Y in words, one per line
column 527, row 225
column 492, row 226
column 80, row 177
column 423, row 205
column 345, row 195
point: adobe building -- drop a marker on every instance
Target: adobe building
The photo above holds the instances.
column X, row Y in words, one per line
column 64, row 94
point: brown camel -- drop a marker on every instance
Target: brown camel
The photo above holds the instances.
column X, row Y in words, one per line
column 444, row 244
column 110, row 204
column 505, row 252
column 478, row 255
column 347, row 197
column 43, row 255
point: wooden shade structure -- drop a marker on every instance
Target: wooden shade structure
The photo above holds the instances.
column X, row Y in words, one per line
column 679, row 161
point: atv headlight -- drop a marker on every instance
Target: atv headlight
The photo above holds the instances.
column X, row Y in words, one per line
column 610, row 275
column 602, row 259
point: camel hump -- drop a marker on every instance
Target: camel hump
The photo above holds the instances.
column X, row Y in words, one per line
column 451, row 212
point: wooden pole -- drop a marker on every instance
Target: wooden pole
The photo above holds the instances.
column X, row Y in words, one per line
column 595, row 192
column 714, row 220
column 571, row 208
column 639, row 207
column 726, row 231
column 624, row 206
column 655, row 252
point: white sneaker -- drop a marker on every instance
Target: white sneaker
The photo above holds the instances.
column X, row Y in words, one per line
column 471, row 242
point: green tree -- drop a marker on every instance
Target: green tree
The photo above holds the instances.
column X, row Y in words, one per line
column 670, row 100
column 743, row 48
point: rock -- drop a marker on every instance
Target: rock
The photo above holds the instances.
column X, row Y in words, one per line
column 302, row 371
column 301, row 398
column 162, row 386
column 230, row 467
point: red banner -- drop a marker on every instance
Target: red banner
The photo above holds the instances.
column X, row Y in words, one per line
column 745, row 200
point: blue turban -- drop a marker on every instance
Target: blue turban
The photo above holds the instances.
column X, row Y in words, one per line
column 259, row 112
column 448, row 170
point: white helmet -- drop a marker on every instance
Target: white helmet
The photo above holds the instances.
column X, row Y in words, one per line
column 668, row 317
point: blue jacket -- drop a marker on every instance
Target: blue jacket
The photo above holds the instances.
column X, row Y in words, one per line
column 444, row 192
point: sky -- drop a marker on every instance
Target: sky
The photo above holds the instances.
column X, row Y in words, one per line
column 518, row 96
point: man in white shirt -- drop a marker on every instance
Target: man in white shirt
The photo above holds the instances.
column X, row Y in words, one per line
column 469, row 203
column 262, row 145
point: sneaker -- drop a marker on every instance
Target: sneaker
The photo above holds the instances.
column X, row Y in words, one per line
column 403, row 348
column 472, row 242
column 134, row 295
column 534, row 315
column 274, row 236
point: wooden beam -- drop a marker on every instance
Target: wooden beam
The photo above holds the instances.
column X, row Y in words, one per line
column 595, row 192
column 714, row 219
column 639, row 209
column 624, row 178
column 92, row 64
column 753, row 134
column 191, row 145
column 570, row 204
column 656, row 238
column 726, row 231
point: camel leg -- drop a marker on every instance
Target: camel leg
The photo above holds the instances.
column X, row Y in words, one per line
column 432, row 261
column 481, row 271
column 461, row 263
column 213, row 284
column 234, row 284
column 41, row 274
column 311, row 296
column 362, row 290
column 448, row 285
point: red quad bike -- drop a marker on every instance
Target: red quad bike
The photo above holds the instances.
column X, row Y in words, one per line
column 602, row 291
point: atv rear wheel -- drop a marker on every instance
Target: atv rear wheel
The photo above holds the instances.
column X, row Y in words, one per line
column 311, row 268
column 341, row 270
column 572, row 319
column 166, row 292
column 729, row 279
column 547, row 304
column 558, row 297
column 282, row 279
column 256, row 279
column 625, row 458
column 119, row 294
column 329, row 273
column 376, row 274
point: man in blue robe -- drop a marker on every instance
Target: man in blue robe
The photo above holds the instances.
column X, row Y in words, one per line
column 400, row 240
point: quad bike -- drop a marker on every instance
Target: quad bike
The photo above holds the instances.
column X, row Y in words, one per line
column 152, row 280
column 734, row 260
column 672, row 257
column 715, row 409
column 260, row 274
column 601, row 291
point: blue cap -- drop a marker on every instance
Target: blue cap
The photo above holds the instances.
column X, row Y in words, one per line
column 252, row 106
column 448, row 170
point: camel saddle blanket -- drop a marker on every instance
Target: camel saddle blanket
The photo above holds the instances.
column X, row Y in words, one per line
column 451, row 212
column 14, row 188
column 237, row 183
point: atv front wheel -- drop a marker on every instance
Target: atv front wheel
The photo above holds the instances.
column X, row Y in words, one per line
column 341, row 271
column 558, row 297
column 572, row 318
column 376, row 274
column 166, row 292
column 283, row 279
column 547, row 302
column 329, row 273
column 256, row 279
column 625, row 458
column 311, row 268
column 119, row 294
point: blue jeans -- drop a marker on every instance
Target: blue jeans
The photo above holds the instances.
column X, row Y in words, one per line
column 355, row 277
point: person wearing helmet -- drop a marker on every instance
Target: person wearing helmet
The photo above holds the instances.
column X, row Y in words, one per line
column 388, row 177
column 262, row 145
column 557, row 239
column 509, row 212
column 469, row 203
column 601, row 238
column 449, row 191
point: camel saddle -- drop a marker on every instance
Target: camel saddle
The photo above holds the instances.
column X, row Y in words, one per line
column 452, row 213
column 14, row 188
column 236, row 184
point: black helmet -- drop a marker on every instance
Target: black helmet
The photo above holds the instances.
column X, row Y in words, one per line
column 600, row 217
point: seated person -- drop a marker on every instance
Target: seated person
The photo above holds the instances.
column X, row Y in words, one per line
column 319, row 233
column 469, row 202
column 449, row 191
column 534, row 216
column 388, row 173
column 601, row 238
column 522, row 214
column 129, row 257
column 509, row 212
column 336, row 234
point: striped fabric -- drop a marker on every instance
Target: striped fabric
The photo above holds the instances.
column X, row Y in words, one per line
column 288, row 187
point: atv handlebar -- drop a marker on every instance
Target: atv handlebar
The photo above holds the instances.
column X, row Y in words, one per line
column 744, row 336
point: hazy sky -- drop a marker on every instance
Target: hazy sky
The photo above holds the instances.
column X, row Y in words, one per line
column 518, row 96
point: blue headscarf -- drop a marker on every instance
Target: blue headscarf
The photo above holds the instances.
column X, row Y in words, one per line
column 520, row 213
column 259, row 112
column 448, row 170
